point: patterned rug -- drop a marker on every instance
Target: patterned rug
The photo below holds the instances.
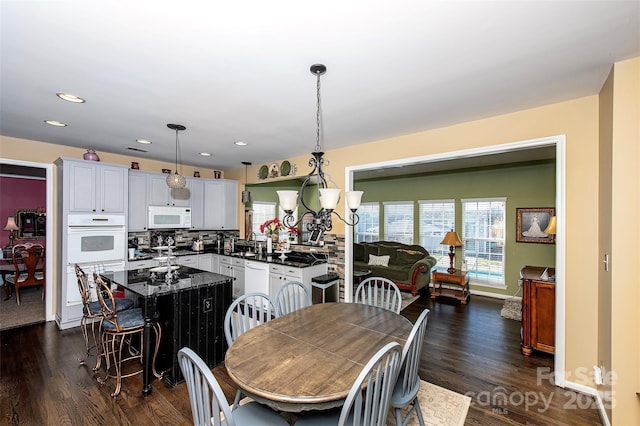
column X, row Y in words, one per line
column 30, row 310
column 512, row 309
column 440, row 407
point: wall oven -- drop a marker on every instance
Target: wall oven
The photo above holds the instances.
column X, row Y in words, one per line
column 95, row 239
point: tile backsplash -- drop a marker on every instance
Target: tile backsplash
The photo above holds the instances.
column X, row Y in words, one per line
column 182, row 237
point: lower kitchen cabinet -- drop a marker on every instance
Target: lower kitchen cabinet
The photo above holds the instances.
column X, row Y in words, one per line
column 281, row 274
column 233, row 267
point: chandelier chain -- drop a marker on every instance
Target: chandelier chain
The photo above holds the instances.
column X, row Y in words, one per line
column 318, row 112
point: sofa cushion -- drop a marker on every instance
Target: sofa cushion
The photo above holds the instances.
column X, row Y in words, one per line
column 378, row 260
column 358, row 252
column 390, row 251
column 408, row 257
column 369, row 249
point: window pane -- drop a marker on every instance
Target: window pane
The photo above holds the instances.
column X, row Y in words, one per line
column 483, row 239
column 368, row 228
column 436, row 219
column 398, row 222
column 262, row 211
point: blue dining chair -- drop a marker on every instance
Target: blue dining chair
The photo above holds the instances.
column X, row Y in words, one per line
column 292, row 296
column 209, row 405
column 407, row 386
column 368, row 400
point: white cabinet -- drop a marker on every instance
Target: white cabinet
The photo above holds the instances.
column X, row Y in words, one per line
column 233, row 267
column 161, row 195
column 196, row 187
column 141, row 264
column 137, row 201
column 208, row 262
column 280, row 274
column 95, row 187
column 189, row 260
column 221, row 204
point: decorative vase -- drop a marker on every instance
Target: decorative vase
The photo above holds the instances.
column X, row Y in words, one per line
column 269, row 246
column 91, row 155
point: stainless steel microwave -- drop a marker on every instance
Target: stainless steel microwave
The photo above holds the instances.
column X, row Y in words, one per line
column 169, row 217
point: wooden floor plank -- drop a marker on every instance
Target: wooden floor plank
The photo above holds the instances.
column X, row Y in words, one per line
column 468, row 349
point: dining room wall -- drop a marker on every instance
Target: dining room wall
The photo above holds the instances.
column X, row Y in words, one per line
column 19, row 193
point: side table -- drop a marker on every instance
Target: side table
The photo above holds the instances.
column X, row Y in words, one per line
column 458, row 278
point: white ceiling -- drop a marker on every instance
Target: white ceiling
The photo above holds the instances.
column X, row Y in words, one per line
column 239, row 70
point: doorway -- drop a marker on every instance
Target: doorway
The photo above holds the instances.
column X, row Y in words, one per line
column 17, row 169
column 559, row 144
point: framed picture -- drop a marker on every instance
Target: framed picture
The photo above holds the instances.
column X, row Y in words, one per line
column 531, row 223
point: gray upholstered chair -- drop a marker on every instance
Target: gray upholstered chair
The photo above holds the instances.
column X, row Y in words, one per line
column 247, row 311
column 92, row 316
column 368, row 400
column 408, row 383
column 116, row 330
column 380, row 292
column 292, row 296
column 209, row 405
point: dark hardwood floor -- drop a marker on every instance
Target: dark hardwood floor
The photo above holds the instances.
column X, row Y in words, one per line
column 469, row 349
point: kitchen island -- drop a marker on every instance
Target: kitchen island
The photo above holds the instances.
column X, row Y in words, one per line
column 190, row 310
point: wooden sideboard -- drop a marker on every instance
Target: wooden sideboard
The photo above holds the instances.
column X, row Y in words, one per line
column 538, row 309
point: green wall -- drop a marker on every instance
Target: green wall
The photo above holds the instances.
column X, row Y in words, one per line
column 524, row 185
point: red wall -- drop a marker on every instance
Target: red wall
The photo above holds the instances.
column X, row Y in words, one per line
column 19, row 193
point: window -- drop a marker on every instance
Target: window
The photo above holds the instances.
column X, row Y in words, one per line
column 368, row 227
column 483, row 239
column 262, row 211
column 398, row 222
column 436, row 217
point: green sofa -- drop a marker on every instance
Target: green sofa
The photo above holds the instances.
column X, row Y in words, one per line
column 409, row 266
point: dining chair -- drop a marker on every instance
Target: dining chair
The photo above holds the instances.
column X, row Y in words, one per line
column 292, row 296
column 118, row 329
column 407, row 386
column 29, row 264
column 208, row 403
column 368, row 400
column 92, row 316
column 246, row 312
column 381, row 292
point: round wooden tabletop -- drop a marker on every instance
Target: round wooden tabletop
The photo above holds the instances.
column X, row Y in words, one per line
column 310, row 358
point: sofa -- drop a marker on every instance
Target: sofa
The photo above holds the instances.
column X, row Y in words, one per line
column 409, row 266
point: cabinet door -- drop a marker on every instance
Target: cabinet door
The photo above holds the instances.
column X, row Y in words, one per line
column 112, row 189
column 205, row 262
column 543, row 311
column 190, row 261
column 181, row 197
column 230, row 207
column 213, row 204
column 197, row 203
column 158, row 190
column 82, row 187
column 137, row 220
column 238, row 280
column 275, row 282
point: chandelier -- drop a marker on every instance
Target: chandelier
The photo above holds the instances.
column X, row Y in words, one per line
column 327, row 197
column 175, row 180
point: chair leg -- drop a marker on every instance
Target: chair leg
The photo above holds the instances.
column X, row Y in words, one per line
column 83, row 327
column 236, row 400
column 158, row 331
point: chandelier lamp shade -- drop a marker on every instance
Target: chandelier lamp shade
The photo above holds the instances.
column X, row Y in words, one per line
column 328, row 198
column 175, row 180
column 452, row 240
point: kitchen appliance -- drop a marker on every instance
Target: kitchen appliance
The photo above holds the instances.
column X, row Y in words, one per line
column 197, row 245
column 256, row 277
column 169, row 217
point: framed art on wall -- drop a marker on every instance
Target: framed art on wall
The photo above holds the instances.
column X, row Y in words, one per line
column 531, row 223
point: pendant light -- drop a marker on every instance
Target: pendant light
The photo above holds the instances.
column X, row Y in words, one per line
column 328, row 197
column 246, row 195
column 175, row 180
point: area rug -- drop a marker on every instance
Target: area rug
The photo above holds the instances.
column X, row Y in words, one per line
column 407, row 299
column 30, row 310
column 512, row 309
column 440, row 407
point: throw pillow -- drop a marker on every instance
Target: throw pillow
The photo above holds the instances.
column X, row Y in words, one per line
column 378, row 260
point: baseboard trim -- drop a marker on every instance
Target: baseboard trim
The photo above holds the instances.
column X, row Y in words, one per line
column 595, row 394
column 493, row 295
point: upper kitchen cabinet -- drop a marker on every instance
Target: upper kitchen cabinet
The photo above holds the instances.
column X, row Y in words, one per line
column 161, row 195
column 196, row 187
column 220, row 204
column 95, row 187
column 138, row 205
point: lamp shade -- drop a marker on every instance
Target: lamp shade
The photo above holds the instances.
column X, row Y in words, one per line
column 288, row 200
column 451, row 239
column 551, row 228
column 329, row 198
column 353, row 199
column 11, row 225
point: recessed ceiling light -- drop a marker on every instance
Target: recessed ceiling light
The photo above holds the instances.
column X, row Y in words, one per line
column 205, row 154
column 70, row 98
column 240, row 143
column 144, row 141
column 56, row 123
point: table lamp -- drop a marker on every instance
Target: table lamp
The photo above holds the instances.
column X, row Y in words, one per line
column 551, row 228
column 452, row 240
column 12, row 228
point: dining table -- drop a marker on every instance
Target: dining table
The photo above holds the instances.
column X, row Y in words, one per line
column 309, row 359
